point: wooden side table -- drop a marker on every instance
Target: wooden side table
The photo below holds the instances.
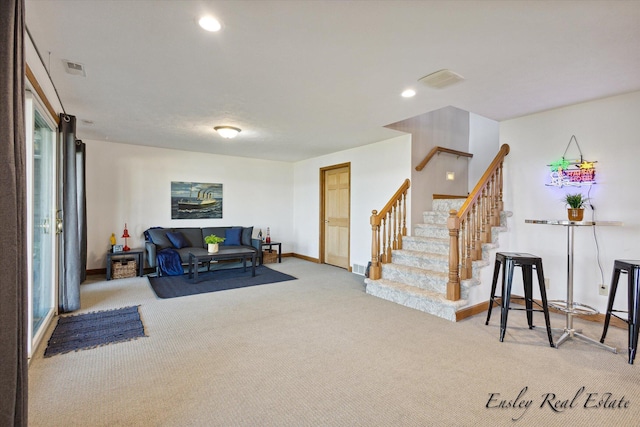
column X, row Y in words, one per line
column 270, row 245
column 132, row 253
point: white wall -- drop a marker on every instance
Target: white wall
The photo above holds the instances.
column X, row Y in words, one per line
column 132, row 184
column 377, row 171
column 40, row 73
column 447, row 127
column 484, row 143
column 607, row 131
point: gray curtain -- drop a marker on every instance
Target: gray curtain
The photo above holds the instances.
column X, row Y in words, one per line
column 13, row 214
column 74, row 240
column 82, row 205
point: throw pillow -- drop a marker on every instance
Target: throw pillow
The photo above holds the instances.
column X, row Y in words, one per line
column 246, row 236
column 177, row 240
column 159, row 237
column 233, row 236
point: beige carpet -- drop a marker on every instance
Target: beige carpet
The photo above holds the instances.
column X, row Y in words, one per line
column 318, row 351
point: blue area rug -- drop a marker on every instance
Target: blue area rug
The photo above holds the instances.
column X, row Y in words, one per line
column 90, row 330
column 213, row 281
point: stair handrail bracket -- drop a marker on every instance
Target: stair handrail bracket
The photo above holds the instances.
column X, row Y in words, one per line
column 470, row 227
column 387, row 229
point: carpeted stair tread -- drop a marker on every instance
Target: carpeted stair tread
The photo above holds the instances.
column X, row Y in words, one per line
column 420, row 254
column 425, row 260
column 430, row 302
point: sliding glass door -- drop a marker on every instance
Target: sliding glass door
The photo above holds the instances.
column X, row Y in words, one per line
column 41, row 221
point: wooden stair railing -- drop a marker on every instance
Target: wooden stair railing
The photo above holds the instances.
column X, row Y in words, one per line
column 435, row 150
column 471, row 226
column 393, row 219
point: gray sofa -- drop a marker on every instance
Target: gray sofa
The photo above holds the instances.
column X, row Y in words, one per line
column 193, row 240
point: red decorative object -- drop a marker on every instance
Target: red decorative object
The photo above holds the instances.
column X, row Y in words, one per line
column 268, row 239
column 125, row 234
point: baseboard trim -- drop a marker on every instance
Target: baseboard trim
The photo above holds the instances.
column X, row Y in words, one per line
column 472, row 311
column 306, row 258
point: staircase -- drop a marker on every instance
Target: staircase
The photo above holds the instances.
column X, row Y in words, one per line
column 418, row 273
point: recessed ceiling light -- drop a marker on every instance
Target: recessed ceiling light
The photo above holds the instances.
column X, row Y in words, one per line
column 227, row 131
column 408, row 93
column 210, row 23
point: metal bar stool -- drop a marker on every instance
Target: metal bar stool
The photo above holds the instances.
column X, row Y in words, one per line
column 632, row 269
column 527, row 262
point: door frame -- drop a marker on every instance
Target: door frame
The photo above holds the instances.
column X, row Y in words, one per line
column 33, row 103
column 321, row 243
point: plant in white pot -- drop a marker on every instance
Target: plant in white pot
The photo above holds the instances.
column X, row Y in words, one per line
column 575, row 203
column 212, row 243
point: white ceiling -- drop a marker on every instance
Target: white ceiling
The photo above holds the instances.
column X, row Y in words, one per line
column 307, row 78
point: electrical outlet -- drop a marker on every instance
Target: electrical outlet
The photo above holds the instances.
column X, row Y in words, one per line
column 547, row 282
column 604, row 289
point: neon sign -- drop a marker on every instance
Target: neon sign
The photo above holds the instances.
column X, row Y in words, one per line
column 567, row 173
column 572, row 173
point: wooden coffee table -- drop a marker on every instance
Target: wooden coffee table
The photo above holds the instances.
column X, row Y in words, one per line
column 222, row 254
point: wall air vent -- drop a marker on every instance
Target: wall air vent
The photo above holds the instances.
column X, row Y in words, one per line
column 74, row 68
column 441, row 79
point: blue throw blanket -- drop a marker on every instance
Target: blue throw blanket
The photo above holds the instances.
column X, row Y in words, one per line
column 169, row 262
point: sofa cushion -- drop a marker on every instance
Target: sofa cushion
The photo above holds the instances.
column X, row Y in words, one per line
column 177, row 239
column 246, row 236
column 233, row 237
column 218, row 231
column 159, row 238
column 193, row 235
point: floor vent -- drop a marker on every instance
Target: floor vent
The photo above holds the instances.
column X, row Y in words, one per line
column 358, row 269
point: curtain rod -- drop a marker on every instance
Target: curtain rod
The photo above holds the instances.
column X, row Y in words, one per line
column 45, row 67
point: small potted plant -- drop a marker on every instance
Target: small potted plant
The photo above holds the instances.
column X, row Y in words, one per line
column 212, row 243
column 575, row 203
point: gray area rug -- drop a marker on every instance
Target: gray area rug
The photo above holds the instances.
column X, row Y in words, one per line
column 90, row 330
column 213, row 281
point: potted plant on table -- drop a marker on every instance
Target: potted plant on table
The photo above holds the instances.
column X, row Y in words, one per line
column 575, row 203
column 212, row 243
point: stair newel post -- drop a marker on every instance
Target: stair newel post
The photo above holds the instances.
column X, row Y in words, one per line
column 374, row 270
column 453, row 285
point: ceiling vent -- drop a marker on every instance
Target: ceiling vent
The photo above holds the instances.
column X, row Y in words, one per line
column 74, row 68
column 441, row 79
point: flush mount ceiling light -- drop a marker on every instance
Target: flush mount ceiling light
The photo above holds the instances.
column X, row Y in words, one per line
column 441, row 78
column 227, row 131
column 210, row 23
column 409, row 93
